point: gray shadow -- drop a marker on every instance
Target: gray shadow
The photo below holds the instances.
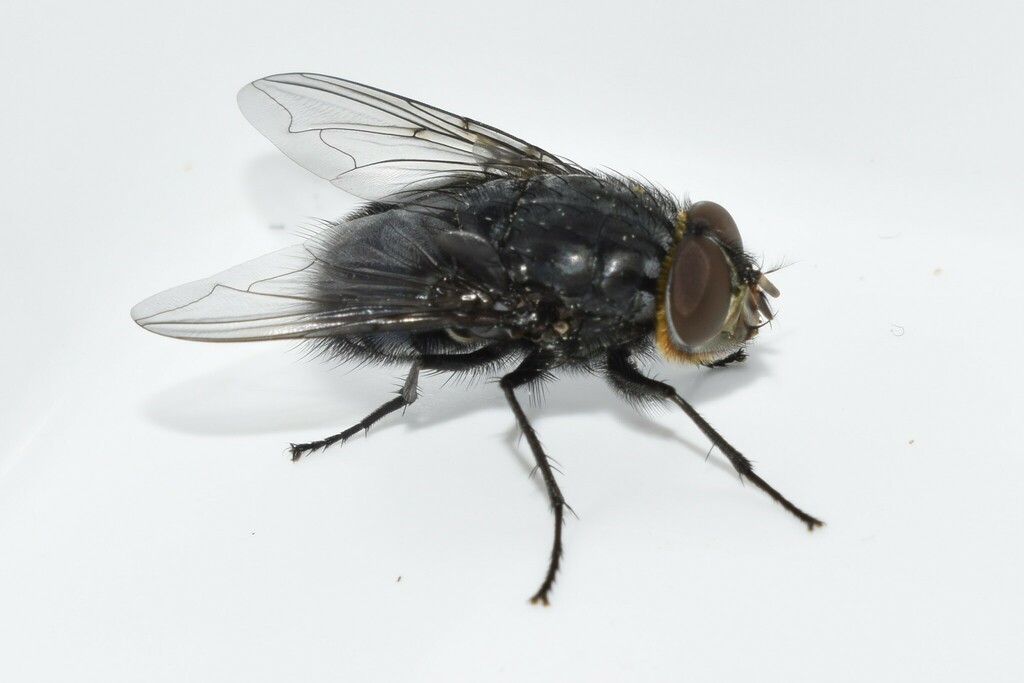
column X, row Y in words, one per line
column 287, row 196
column 279, row 392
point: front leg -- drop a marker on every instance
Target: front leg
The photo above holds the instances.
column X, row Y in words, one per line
column 636, row 386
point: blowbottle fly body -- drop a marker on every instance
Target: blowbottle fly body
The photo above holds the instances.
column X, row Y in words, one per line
column 479, row 252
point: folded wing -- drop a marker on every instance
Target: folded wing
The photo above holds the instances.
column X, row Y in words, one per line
column 354, row 278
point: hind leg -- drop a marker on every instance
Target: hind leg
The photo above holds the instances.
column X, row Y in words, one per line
column 408, row 393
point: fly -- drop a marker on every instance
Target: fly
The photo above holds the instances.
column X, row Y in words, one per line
column 479, row 252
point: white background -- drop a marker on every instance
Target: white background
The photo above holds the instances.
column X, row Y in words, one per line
column 153, row 528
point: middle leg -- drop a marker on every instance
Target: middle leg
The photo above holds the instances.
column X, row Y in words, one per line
column 535, row 367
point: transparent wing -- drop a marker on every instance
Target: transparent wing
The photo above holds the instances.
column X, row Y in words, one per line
column 276, row 297
column 373, row 143
column 269, row 297
column 311, row 290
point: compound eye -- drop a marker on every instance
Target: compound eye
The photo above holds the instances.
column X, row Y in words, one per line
column 699, row 290
column 714, row 219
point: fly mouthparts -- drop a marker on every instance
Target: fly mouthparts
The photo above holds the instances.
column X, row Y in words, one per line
column 766, row 286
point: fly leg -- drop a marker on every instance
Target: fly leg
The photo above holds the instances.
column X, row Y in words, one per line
column 634, row 385
column 534, row 368
column 406, row 396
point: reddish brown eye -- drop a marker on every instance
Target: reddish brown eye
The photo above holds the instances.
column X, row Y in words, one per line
column 716, row 220
column 699, row 290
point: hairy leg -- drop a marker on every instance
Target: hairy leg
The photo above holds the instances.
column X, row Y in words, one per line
column 634, row 385
column 408, row 393
column 534, row 368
